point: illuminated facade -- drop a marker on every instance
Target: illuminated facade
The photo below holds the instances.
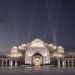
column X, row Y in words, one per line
column 36, row 53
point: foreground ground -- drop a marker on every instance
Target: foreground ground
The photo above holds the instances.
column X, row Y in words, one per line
column 46, row 70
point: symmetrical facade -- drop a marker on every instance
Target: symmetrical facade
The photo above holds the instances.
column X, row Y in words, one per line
column 37, row 53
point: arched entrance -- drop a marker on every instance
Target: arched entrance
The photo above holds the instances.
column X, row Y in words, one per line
column 37, row 59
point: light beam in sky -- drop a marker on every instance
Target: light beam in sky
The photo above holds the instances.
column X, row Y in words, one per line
column 31, row 21
column 52, row 20
column 53, row 24
column 55, row 14
column 46, row 28
column 15, row 22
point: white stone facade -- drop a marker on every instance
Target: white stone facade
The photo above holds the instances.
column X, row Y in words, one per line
column 36, row 51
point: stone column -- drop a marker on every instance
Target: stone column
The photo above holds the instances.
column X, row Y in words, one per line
column 72, row 62
column 11, row 62
column 44, row 61
column 6, row 62
column 15, row 63
column 2, row 62
column 63, row 62
column 58, row 62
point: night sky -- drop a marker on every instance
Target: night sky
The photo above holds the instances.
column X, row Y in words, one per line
column 21, row 21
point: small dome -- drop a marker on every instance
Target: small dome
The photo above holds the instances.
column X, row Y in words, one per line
column 14, row 47
column 54, row 47
column 60, row 49
column 20, row 47
column 24, row 45
column 37, row 43
column 37, row 40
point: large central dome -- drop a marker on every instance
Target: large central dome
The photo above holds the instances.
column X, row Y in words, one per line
column 37, row 42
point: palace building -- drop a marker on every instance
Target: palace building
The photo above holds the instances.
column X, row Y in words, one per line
column 37, row 53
